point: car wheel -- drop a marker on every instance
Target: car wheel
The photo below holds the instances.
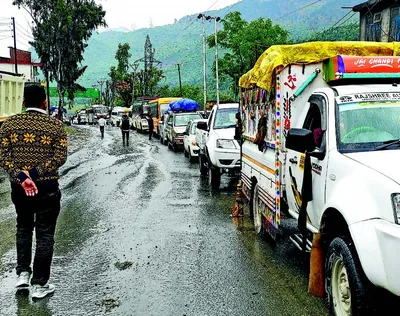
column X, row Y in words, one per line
column 215, row 177
column 186, row 152
column 202, row 165
column 347, row 288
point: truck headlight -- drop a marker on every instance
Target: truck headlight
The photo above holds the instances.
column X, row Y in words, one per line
column 225, row 143
column 396, row 207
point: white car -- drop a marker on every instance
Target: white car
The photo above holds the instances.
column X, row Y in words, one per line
column 219, row 150
column 161, row 126
column 141, row 124
column 190, row 148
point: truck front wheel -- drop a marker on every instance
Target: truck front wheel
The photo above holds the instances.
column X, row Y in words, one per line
column 215, row 177
column 203, row 164
column 346, row 285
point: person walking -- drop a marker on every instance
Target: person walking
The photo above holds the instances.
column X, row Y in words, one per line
column 33, row 146
column 102, row 124
column 125, row 126
column 151, row 125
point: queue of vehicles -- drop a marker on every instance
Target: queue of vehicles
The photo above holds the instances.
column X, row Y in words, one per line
column 318, row 143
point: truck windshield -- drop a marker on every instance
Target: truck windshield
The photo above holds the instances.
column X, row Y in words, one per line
column 225, row 118
column 366, row 126
column 182, row 120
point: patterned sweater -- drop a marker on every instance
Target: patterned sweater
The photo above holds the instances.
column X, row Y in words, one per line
column 33, row 142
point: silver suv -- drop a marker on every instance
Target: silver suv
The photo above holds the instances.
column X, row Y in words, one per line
column 176, row 126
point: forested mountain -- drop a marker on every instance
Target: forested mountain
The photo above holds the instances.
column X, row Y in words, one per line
column 181, row 42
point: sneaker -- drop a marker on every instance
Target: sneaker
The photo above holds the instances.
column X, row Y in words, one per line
column 23, row 280
column 40, row 291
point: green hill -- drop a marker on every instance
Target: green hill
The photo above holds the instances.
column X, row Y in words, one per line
column 181, row 42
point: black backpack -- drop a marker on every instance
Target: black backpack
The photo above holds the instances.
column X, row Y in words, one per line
column 125, row 123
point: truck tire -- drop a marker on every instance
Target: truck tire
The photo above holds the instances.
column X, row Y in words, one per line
column 347, row 288
column 203, row 165
column 257, row 215
column 191, row 158
column 215, row 177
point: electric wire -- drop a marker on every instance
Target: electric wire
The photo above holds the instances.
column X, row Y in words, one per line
column 299, row 9
column 24, row 37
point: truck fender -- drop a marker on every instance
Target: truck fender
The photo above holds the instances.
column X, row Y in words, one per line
column 211, row 156
column 358, row 214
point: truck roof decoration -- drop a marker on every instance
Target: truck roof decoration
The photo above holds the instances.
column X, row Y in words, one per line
column 358, row 67
column 282, row 55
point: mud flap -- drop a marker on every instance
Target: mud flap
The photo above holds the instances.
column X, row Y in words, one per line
column 316, row 277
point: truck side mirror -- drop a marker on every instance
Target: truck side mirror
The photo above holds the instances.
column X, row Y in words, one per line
column 300, row 139
column 202, row 125
column 169, row 123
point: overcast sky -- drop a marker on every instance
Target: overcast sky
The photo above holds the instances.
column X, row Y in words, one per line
column 119, row 13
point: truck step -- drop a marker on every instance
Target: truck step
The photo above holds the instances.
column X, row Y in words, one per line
column 297, row 240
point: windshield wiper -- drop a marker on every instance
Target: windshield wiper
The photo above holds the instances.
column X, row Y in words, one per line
column 387, row 144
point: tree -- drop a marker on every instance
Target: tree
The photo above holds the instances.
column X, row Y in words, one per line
column 109, row 93
column 244, row 42
column 61, row 30
column 120, row 75
column 348, row 32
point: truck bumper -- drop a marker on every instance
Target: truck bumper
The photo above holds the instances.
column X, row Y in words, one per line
column 377, row 242
column 224, row 158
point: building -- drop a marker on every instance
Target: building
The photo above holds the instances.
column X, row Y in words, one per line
column 24, row 62
column 379, row 20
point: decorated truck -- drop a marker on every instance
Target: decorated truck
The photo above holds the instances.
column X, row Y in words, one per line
column 321, row 146
column 11, row 94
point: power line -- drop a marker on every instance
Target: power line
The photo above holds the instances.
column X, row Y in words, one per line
column 23, row 31
column 299, row 9
column 340, row 20
column 24, row 37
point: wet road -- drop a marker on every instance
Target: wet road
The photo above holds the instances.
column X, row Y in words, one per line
column 141, row 233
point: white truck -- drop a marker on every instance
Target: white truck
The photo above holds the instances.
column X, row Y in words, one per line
column 321, row 145
column 11, row 94
column 219, row 152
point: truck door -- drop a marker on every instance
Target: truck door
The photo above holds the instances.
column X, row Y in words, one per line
column 316, row 121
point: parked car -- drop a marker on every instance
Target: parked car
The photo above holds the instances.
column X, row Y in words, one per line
column 116, row 115
column 176, row 125
column 161, row 126
column 219, row 150
column 190, row 147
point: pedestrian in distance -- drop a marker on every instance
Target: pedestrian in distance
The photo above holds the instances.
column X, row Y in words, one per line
column 151, row 125
column 125, row 126
column 102, row 124
column 33, row 146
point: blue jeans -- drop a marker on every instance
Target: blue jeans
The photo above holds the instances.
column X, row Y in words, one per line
column 39, row 212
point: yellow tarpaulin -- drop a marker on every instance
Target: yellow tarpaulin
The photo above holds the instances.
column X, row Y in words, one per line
column 283, row 55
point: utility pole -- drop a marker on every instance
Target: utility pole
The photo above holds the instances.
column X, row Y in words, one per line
column 180, row 82
column 15, row 46
column 216, row 19
column 101, row 82
column 202, row 16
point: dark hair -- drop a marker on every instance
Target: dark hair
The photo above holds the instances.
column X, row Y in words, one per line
column 34, row 96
